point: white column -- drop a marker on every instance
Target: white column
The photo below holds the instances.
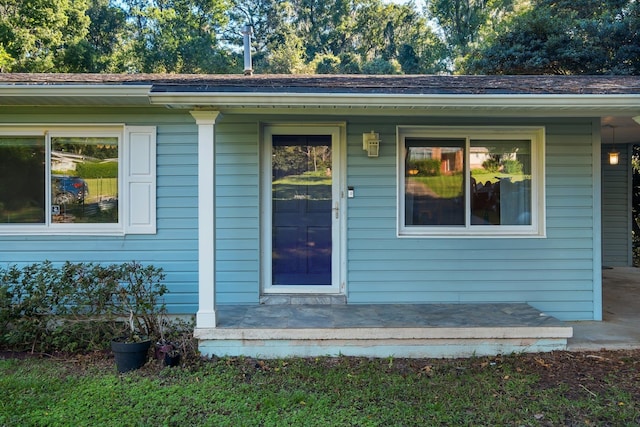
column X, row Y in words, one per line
column 206, row 316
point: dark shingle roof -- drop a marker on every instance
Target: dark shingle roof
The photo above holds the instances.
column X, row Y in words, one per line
column 353, row 84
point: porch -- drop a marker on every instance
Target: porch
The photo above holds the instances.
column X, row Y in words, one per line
column 407, row 330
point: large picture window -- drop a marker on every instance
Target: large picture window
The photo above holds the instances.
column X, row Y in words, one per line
column 471, row 181
column 73, row 180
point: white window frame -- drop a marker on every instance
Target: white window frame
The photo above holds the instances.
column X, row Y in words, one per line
column 536, row 134
column 130, row 138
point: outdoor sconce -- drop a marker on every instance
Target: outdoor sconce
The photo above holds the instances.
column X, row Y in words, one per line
column 371, row 143
column 614, row 156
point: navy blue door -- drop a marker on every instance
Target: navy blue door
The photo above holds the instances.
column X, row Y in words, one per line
column 301, row 210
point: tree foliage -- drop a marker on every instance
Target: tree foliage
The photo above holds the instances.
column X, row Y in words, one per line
column 467, row 23
column 565, row 37
column 179, row 36
column 320, row 36
column 36, row 34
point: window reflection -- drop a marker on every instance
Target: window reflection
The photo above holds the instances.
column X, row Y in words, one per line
column 500, row 182
column 84, row 180
column 22, row 178
column 434, row 190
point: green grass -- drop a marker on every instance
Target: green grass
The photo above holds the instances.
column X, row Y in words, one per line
column 105, row 187
column 493, row 177
column 302, row 186
column 445, row 186
column 309, row 392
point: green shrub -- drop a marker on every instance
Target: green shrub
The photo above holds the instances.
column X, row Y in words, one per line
column 426, row 167
column 77, row 307
column 491, row 165
column 512, row 167
column 137, row 298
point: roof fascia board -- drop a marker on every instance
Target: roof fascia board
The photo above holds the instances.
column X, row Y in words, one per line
column 73, row 90
column 467, row 101
column 419, row 111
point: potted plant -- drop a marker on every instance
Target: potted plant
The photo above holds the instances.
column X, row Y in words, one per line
column 168, row 353
column 137, row 301
column 165, row 349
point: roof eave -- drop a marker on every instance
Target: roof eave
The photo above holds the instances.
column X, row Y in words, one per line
column 582, row 104
column 74, row 94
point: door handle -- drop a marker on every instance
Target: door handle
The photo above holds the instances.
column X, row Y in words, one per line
column 337, row 210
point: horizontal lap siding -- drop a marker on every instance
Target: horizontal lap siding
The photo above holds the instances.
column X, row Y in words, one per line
column 237, row 210
column 174, row 247
column 554, row 274
column 616, row 212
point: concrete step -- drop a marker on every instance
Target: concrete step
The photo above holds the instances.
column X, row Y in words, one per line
column 398, row 330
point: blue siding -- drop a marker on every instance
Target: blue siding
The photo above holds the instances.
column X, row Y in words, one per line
column 553, row 274
column 616, row 209
column 174, row 247
column 237, row 210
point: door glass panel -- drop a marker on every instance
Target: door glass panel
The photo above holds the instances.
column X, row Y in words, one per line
column 301, row 210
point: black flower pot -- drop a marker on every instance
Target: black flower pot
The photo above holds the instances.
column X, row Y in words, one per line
column 130, row 355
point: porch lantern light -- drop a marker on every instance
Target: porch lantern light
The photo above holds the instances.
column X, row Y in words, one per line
column 371, row 143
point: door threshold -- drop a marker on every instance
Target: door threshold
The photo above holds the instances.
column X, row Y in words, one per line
column 305, row 299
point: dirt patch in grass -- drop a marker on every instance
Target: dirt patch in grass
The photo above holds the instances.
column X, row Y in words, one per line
column 587, row 373
column 580, row 374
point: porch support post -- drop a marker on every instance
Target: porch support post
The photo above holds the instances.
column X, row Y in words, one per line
column 206, row 316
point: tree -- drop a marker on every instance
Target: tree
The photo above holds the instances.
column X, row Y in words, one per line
column 38, row 35
column 565, row 37
column 105, row 47
column 180, row 36
column 270, row 21
column 397, row 34
column 288, row 57
column 464, row 21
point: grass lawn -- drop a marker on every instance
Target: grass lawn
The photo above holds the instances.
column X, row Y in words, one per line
column 104, row 187
column 308, row 187
column 445, row 186
column 494, row 177
column 521, row 390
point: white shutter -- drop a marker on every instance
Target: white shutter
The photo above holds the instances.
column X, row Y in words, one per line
column 140, row 180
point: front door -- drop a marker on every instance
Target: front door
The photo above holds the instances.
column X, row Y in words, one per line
column 304, row 209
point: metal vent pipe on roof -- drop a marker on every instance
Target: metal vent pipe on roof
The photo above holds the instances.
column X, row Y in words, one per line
column 247, row 33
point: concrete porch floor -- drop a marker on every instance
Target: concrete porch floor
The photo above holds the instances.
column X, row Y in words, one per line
column 424, row 330
column 620, row 326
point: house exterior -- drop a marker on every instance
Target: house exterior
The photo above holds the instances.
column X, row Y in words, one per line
column 356, row 190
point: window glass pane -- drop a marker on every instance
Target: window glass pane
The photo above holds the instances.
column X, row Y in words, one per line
column 22, row 178
column 434, row 181
column 84, row 180
column 500, row 182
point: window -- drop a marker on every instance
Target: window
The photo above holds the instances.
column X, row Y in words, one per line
column 74, row 180
column 471, row 181
column 84, row 179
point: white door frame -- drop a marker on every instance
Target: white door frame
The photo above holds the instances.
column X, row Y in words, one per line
column 338, row 236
